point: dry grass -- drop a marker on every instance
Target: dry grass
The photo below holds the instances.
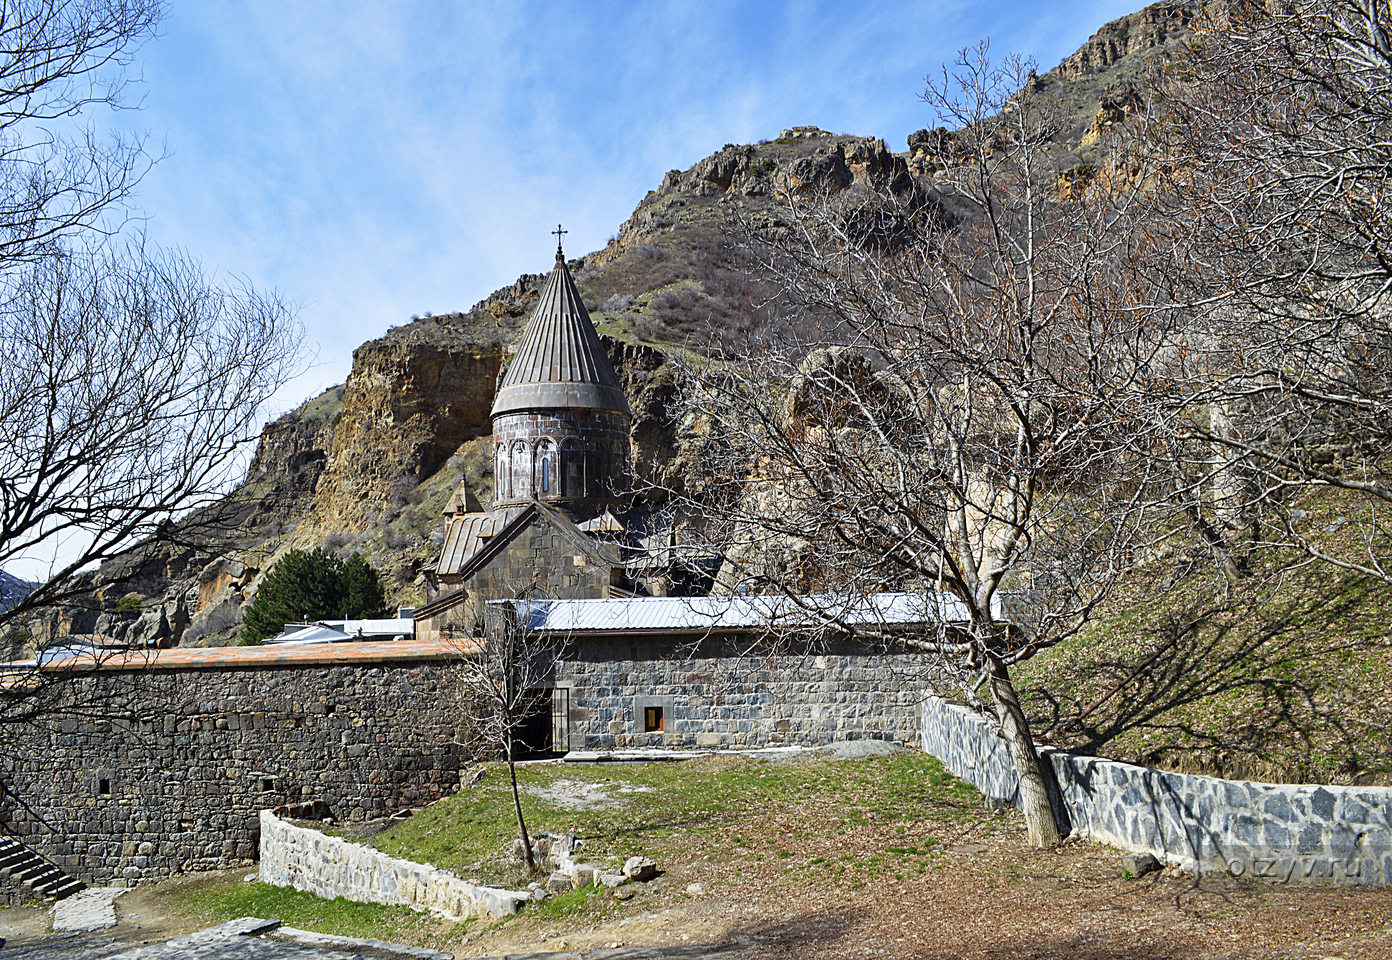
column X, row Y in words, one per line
column 822, row 858
column 1284, row 675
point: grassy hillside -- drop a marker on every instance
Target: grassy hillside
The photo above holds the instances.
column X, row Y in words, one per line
column 1282, row 675
column 685, row 811
column 816, row 858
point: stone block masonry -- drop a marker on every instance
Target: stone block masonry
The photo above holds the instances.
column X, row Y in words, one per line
column 331, row 867
column 1287, row 832
column 539, row 554
column 708, row 694
column 357, row 730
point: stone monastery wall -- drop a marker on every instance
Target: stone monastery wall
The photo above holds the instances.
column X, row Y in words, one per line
column 1280, row 831
column 183, row 792
column 712, row 696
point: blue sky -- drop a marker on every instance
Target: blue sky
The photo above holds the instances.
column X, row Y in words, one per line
column 376, row 160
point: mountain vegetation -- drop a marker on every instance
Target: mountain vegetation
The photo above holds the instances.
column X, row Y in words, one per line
column 306, row 586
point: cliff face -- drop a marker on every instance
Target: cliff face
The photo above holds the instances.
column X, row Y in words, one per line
column 408, row 405
column 1159, row 26
column 289, row 459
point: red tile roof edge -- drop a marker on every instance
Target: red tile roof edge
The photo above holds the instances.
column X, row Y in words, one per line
column 271, row 655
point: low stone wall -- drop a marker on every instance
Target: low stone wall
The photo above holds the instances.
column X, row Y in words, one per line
column 331, row 867
column 1320, row 834
column 359, row 730
column 711, row 695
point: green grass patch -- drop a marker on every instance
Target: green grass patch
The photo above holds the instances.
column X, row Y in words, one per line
column 232, row 898
column 661, row 810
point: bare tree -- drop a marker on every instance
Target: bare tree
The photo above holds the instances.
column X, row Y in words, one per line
column 504, row 669
column 132, row 386
column 928, row 415
column 58, row 59
column 132, row 383
column 1270, row 242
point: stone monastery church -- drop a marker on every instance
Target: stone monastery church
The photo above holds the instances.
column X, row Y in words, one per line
column 561, row 474
column 640, row 668
column 357, row 730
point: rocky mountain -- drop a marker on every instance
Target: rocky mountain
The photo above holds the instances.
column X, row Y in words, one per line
column 369, row 465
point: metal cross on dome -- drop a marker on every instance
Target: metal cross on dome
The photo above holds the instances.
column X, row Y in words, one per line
column 559, row 233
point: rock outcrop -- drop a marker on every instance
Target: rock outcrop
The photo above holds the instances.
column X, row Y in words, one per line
column 1157, row 26
column 410, row 402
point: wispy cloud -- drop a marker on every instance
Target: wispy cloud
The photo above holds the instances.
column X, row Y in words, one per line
column 373, row 160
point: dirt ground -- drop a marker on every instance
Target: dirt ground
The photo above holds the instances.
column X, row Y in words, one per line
column 991, row 899
column 986, row 900
column 143, row 915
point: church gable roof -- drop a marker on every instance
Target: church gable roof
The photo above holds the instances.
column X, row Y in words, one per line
column 504, row 527
column 468, row 533
column 560, row 362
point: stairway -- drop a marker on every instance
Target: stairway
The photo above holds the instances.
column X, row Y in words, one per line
column 23, row 865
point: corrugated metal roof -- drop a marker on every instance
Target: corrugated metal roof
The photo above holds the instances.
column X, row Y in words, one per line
column 382, row 627
column 468, row 533
column 724, row 614
column 336, row 631
column 309, row 633
column 560, row 361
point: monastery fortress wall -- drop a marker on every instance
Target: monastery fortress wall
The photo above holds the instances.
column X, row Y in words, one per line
column 356, row 731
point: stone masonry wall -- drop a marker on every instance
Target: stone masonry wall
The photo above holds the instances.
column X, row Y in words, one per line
column 331, row 867
column 518, row 439
column 543, row 555
column 1320, row 834
column 182, row 792
column 713, row 697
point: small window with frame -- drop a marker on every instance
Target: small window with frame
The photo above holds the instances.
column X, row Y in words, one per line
column 652, row 719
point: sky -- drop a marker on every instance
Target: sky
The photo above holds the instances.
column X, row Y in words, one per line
column 370, row 161
column 373, row 160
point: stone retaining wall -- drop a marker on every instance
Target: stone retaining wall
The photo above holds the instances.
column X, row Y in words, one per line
column 1319, row 834
column 180, row 792
column 331, row 867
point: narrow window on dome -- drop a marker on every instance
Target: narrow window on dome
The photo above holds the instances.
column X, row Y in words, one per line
column 545, row 474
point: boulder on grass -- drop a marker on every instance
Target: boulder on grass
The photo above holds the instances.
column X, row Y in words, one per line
column 640, row 868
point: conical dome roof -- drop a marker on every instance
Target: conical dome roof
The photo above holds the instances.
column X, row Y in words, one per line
column 559, row 361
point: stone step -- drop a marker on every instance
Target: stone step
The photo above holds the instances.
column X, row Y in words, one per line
column 29, row 869
column 50, row 881
column 67, row 888
column 36, row 873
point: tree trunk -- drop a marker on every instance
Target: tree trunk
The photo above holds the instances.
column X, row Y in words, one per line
column 517, row 806
column 1034, row 792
